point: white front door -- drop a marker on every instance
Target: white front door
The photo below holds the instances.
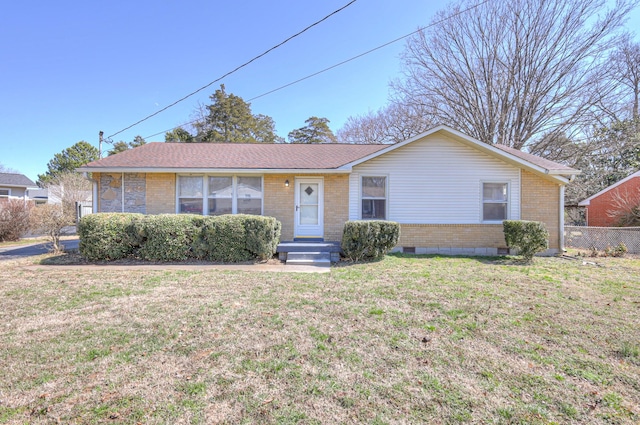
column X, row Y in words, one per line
column 309, row 207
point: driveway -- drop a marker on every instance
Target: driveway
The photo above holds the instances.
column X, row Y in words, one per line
column 23, row 251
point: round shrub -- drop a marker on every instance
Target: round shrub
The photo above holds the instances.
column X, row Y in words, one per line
column 369, row 239
column 527, row 237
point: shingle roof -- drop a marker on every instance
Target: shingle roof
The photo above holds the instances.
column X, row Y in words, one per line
column 236, row 156
column 552, row 166
column 16, row 180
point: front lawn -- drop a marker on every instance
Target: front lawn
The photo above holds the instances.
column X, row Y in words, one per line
column 404, row 340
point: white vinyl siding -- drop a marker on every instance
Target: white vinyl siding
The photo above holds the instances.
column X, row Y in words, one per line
column 436, row 180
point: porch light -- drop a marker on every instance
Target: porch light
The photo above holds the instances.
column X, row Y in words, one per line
column 286, row 183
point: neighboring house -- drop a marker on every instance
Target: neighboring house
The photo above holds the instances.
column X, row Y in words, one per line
column 449, row 192
column 602, row 207
column 15, row 186
column 39, row 196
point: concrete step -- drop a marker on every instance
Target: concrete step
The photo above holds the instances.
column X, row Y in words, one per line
column 315, row 258
column 296, row 246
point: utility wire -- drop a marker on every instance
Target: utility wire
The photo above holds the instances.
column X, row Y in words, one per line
column 236, row 69
column 341, row 63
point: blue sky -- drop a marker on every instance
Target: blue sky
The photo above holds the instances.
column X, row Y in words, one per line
column 72, row 68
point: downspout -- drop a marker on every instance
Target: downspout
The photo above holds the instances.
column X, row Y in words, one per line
column 122, row 188
column 94, row 199
column 561, row 221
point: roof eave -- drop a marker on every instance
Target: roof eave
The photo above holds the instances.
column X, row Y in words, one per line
column 587, row 201
column 339, row 170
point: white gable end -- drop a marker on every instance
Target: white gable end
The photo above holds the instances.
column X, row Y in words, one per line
column 436, row 180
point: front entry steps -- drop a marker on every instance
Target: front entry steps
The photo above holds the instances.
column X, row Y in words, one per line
column 309, row 253
column 309, row 258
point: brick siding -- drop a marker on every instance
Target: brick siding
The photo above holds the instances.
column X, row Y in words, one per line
column 599, row 207
column 540, row 202
column 161, row 193
column 452, row 236
column 279, row 202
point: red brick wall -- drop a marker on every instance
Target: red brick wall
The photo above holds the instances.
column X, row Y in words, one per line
column 599, row 207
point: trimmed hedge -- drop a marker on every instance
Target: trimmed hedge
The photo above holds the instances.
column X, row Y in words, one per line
column 178, row 237
column 223, row 238
column 168, row 237
column 369, row 239
column 109, row 236
column 528, row 237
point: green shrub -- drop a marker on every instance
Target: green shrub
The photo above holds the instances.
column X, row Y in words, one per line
column 222, row 238
column 528, row 237
column 263, row 235
column 109, row 236
column 369, row 239
column 241, row 237
column 172, row 237
column 168, row 237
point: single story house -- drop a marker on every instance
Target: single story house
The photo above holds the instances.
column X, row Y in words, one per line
column 449, row 192
column 15, row 186
column 601, row 208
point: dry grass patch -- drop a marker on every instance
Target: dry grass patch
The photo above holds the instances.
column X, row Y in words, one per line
column 404, row 340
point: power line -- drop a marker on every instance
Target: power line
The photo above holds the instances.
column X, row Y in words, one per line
column 236, row 69
column 343, row 62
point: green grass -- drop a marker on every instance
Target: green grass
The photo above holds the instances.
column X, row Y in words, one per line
column 409, row 339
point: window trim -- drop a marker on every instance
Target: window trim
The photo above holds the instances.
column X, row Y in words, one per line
column 386, row 195
column 482, row 201
column 208, row 197
column 178, row 197
column 205, row 190
column 8, row 195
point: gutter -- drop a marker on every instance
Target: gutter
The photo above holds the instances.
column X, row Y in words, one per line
column 342, row 170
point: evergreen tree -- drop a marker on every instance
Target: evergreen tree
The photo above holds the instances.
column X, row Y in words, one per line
column 179, row 135
column 229, row 120
column 316, row 131
column 68, row 160
column 122, row 146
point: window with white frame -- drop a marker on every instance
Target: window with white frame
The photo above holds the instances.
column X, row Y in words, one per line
column 190, row 190
column 220, row 195
column 224, row 195
column 374, row 198
column 5, row 193
column 495, row 201
column 249, row 198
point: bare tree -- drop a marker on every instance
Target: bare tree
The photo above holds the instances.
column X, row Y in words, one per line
column 50, row 219
column 510, row 71
column 391, row 124
column 625, row 208
column 4, row 169
column 624, row 66
column 69, row 188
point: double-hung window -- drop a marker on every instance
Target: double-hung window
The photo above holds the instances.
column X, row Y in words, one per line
column 495, row 201
column 190, row 190
column 374, row 198
column 220, row 195
column 5, row 193
column 217, row 195
column 249, row 198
